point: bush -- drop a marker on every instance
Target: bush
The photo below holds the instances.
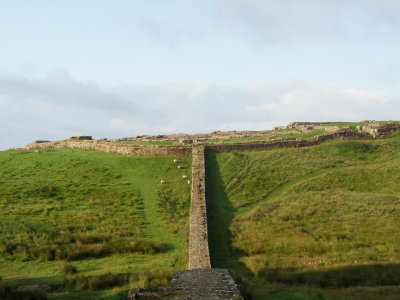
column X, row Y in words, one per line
column 69, row 269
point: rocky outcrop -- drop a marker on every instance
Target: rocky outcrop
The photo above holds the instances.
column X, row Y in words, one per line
column 199, row 256
column 130, row 150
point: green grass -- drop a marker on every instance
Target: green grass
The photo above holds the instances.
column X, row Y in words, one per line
column 100, row 212
column 302, row 135
column 323, row 217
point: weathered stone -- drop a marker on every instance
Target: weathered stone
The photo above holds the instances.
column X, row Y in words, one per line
column 199, row 256
column 82, row 137
column 139, row 292
column 205, row 284
column 380, row 130
column 130, row 150
column 41, row 141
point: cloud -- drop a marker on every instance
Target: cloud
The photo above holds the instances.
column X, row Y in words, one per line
column 58, row 106
column 311, row 20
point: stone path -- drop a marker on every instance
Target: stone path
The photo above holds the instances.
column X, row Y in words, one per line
column 205, row 284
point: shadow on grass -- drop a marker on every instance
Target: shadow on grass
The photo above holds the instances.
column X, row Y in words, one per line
column 165, row 247
column 338, row 277
column 220, row 213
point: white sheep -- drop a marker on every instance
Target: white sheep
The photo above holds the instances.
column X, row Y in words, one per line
column 175, row 161
column 179, row 167
column 188, row 181
column 184, row 177
column 162, row 181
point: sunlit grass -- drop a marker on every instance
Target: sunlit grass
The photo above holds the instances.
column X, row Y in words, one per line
column 102, row 212
column 322, row 216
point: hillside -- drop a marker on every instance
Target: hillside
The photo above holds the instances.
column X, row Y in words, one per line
column 303, row 211
column 99, row 213
column 302, row 223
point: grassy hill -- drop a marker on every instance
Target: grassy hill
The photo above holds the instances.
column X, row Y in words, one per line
column 82, row 220
column 309, row 223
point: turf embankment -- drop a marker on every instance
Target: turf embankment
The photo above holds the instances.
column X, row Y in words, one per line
column 309, row 223
column 81, row 221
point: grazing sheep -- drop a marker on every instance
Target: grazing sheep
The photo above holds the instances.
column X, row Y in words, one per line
column 184, row 177
column 188, row 181
column 179, row 167
column 175, row 161
column 162, row 181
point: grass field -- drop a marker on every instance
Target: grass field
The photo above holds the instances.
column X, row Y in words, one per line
column 89, row 224
column 312, row 223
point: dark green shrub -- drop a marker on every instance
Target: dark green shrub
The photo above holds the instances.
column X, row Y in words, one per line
column 69, row 269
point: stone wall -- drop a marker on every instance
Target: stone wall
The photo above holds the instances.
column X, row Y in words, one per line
column 285, row 143
column 130, row 150
column 199, row 255
column 380, row 130
column 205, row 284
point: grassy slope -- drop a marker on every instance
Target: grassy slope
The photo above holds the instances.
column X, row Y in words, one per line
column 47, row 197
column 324, row 216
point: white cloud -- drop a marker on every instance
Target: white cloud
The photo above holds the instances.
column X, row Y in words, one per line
column 57, row 106
column 311, row 20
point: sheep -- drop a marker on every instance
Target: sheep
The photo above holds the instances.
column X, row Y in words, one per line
column 175, row 161
column 179, row 167
column 188, row 181
column 162, row 181
column 184, row 177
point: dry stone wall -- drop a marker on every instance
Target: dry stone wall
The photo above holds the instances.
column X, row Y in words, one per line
column 380, row 130
column 199, row 255
column 130, row 150
column 288, row 143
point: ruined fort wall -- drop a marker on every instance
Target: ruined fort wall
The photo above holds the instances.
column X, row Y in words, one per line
column 284, row 143
column 130, row 150
column 380, row 130
column 199, row 254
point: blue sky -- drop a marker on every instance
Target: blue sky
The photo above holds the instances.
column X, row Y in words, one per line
column 120, row 68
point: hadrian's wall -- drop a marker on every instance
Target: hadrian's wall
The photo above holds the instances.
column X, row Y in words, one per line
column 131, row 150
column 199, row 254
column 289, row 143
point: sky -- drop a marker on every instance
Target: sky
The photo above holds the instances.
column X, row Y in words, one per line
column 131, row 67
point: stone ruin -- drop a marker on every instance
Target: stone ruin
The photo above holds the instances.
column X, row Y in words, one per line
column 82, row 138
column 377, row 130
